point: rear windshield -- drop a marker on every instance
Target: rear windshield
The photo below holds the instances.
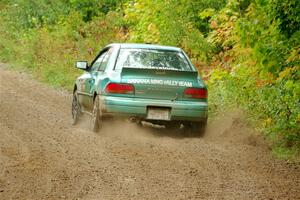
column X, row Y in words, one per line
column 152, row 59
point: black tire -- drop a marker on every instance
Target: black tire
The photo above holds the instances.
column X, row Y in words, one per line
column 196, row 129
column 76, row 111
column 172, row 126
column 96, row 115
column 199, row 128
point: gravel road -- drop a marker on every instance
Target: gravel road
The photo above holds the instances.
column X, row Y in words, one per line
column 42, row 156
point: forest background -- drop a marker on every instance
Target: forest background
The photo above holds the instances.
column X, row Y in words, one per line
column 247, row 51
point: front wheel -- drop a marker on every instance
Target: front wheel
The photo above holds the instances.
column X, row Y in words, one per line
column 96, row 115
column 76, row 112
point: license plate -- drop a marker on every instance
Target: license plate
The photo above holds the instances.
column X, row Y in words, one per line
column 158, row 113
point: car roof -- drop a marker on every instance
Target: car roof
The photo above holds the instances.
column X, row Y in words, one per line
column 144, row 46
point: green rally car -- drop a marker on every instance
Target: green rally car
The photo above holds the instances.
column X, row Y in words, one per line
column 151, row 83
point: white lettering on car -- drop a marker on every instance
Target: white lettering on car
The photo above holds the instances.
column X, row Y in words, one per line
column 185, row 84
column 160, row 82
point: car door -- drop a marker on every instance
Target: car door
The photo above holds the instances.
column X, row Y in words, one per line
column 87, row 83
column 95, row 76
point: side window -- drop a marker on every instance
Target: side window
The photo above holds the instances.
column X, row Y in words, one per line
column 97, row 63
column 105, row 60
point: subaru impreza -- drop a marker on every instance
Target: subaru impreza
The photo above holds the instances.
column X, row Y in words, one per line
column 144, row 82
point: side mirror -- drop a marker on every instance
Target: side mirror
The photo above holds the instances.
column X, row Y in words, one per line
column 82, row 65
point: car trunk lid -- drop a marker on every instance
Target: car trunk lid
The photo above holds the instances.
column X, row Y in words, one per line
column 159, row 83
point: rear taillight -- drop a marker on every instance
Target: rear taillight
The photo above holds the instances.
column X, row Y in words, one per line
column 119, row 88
column 197, row 93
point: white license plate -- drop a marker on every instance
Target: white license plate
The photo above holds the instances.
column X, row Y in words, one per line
column 158, row 113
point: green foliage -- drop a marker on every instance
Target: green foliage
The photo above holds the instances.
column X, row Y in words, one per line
column 287, row 12
column 168, row 22
column 50, row 50
column 191, row 11
column 36, row 13
column 259, row 67
column 94, row 8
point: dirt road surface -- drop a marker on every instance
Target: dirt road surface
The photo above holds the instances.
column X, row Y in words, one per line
column 42, row 156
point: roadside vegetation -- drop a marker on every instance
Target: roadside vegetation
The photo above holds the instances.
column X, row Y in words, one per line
column 248, row 51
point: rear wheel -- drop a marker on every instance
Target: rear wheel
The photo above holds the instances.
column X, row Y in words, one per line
column 172, row 126
column 76, row 112
column 196, row 129
column 96, row 115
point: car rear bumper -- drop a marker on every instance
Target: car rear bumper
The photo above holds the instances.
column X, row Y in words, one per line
column 179, row 110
